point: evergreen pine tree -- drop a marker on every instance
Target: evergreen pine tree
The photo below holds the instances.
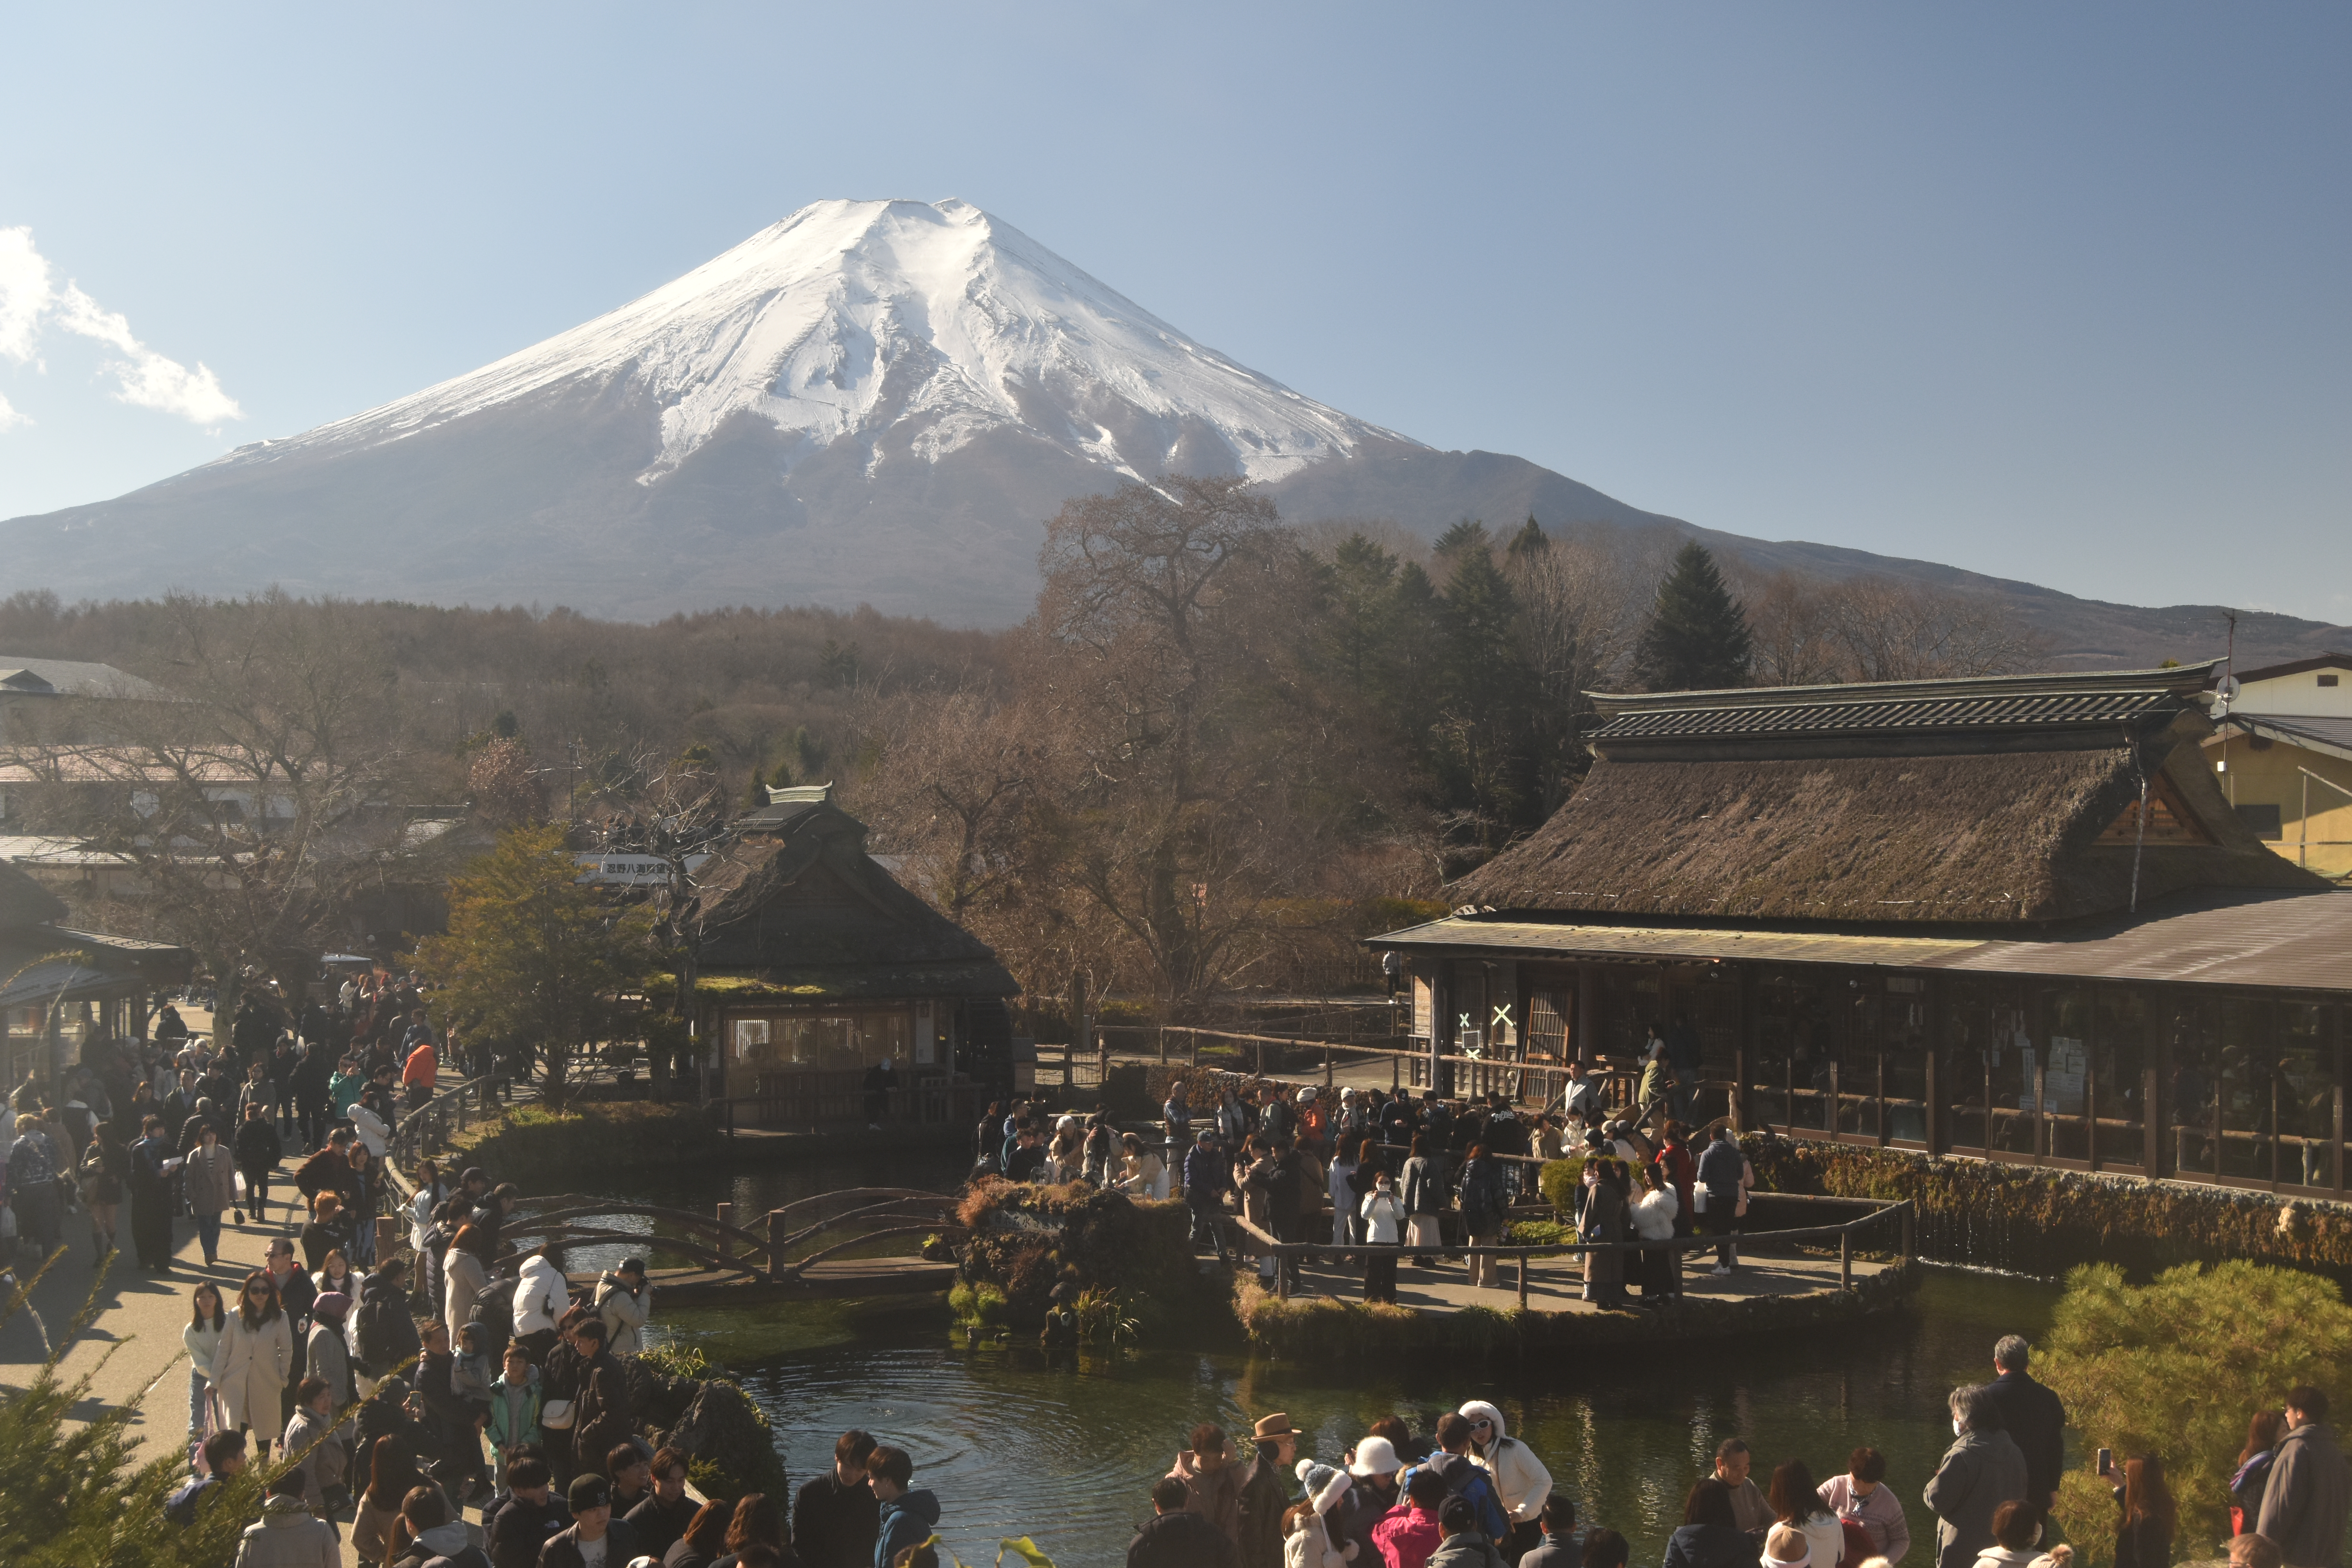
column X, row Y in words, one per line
column 756, row 794
column 1696, row 639
column 1530, row 539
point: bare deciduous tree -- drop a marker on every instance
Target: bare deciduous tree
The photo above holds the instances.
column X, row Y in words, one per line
column 254, row 805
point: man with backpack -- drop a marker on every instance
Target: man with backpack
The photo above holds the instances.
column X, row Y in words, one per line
column 385, row 1334
column 1465, row 1477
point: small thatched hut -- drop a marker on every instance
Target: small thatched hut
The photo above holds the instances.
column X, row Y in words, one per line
column 814, row 966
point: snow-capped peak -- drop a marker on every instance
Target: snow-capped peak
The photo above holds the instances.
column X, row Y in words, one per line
column 917, row 327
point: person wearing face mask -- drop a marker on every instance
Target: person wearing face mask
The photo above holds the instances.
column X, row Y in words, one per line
column 1982, row 1469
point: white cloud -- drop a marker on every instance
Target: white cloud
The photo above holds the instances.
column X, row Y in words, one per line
column 25, row 293
column 10, row 418
column 30, row 301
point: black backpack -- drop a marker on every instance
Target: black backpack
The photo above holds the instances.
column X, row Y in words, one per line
column 380, row 1340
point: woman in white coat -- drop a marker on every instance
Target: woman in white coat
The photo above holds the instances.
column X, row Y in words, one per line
column 1521, row 1482
column 202, row 1338
column 256, row 1352
column 467, row 1278
column 431, row 1194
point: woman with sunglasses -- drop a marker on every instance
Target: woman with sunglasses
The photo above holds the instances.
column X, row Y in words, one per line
column 1521, row 1482
column 257, row 1353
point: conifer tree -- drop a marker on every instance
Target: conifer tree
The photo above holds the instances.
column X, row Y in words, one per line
column 1698, row 637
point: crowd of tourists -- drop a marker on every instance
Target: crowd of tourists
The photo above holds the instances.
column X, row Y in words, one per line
column 172, row 1125
column 1468, row 1494
column 1392, row 1178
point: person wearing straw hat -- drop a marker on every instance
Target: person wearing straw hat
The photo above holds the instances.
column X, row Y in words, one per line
column 1266, row 1491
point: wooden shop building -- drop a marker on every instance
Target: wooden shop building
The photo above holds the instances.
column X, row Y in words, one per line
column 2011, row 918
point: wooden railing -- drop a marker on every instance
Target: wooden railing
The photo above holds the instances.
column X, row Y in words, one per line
column 427, row 1129
column 715, row 1243
column 1901, row 1213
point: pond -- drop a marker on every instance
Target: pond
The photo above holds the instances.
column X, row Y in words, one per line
column 1065, row 1449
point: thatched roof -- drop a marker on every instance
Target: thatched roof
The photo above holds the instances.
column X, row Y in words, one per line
column 793, row 900
column 25, row 903
column 1866, row 803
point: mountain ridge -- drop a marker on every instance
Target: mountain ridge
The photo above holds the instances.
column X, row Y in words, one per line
column 865, row 402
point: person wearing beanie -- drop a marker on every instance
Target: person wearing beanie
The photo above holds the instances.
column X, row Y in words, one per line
column 1312, row 1538
column 326, row 1354
column 1521, row 1482
column 594, row 1538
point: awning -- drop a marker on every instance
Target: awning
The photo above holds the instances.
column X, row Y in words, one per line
column 1685, row 944
column 2281, row 941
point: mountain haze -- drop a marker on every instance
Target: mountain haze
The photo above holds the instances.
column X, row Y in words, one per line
column 868, row 402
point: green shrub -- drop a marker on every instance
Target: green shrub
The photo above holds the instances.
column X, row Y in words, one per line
column 1560, row 1181
column 1538, row 1233
column 2177, row 1368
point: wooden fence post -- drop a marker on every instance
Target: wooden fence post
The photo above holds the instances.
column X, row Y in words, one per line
column 726, row 1217
column 1845, row 1259
column 776, row 1234
column 1523, row 1281
column 1909, row 1238
column 387, row 1236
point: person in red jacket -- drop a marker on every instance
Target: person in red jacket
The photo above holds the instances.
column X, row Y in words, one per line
column 423, row 1067
column 1412, row 1531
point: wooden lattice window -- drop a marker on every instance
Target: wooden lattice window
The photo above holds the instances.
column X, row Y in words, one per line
column 2169, row 821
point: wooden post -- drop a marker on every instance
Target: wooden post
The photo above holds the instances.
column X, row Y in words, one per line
column 726, row 1242
column 2151, row 1128
column 1845, row 1259
column 387, row 1236
column 1910, row 1241
column 1522, row 1280
column 1281, row 1276
column 1163, row 1044
column 776, row 1234
column 1326, row 1064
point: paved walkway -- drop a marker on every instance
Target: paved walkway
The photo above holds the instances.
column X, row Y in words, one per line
column 133, row 1342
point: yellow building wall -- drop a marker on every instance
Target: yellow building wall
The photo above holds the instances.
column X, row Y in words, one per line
column 2268, row 777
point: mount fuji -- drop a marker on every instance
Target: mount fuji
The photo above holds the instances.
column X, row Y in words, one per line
column 868, row 402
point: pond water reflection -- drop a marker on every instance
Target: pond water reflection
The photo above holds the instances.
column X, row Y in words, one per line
column 1065, row 1449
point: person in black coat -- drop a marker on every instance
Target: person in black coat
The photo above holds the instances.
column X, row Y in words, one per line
column 258, row 1150
column 1176, row 1537
column 835, row 1517
column 517, row 1528
column 151, row 1198
column 2034, row 1417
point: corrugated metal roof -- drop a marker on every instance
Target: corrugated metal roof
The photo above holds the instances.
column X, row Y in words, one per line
column 2284, row 942
column 1682, row 944
column 2318, row 733
column 2015, row 712
column 2288, row 942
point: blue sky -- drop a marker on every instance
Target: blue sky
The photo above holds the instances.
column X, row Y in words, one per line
column 2057, row 292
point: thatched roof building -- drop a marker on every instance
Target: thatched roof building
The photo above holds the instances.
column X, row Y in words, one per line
column 813, row 963
column 1975, row 801
column 2012, row 919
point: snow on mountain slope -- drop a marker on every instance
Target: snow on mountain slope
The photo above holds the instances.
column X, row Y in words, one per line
column 935, row 322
